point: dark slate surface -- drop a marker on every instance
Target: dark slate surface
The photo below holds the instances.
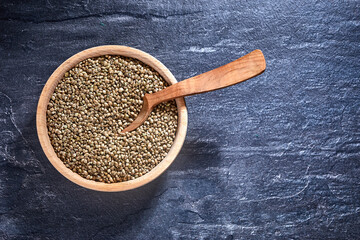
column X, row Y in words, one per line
column 277, row 157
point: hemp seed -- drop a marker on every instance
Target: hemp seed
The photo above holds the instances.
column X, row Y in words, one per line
column 90, row 107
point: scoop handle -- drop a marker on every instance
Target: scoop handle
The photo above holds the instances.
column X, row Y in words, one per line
column 237, row 71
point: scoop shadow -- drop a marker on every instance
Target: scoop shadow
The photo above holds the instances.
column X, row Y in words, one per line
column 198, row 154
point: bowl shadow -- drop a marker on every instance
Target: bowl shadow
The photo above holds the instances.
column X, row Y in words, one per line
column 37, row 201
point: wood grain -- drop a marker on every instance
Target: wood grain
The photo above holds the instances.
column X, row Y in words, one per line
column 240, row 70
column 49, row 89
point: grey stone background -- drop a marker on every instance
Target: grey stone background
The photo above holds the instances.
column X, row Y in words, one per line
column 276, row 157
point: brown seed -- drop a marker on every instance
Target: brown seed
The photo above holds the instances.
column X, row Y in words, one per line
column 92, row 104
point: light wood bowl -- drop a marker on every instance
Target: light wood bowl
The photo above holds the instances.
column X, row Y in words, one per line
column 49, row 89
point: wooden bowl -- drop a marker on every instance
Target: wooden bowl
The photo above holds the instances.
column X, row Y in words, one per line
column 49, row 89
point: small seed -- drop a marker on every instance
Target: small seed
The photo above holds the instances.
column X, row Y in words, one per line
column 90, row 107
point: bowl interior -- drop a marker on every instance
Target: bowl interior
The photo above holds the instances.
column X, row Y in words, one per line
column 49, row 89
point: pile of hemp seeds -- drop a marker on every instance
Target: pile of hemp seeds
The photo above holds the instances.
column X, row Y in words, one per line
column 90, row 107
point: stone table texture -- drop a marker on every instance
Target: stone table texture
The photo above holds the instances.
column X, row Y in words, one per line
column 276, row 157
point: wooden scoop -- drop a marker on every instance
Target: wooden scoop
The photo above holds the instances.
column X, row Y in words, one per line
column 237, row 71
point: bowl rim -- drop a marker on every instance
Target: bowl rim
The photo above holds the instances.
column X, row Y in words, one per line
column 49, row 88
